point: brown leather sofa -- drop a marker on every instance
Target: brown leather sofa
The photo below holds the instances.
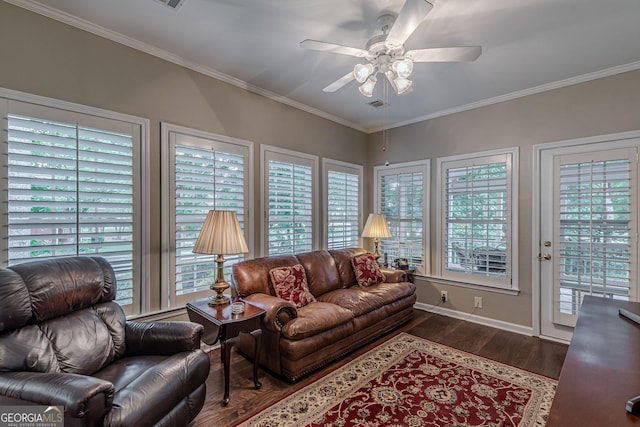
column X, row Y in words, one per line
column 296, row 341
column 64, row 341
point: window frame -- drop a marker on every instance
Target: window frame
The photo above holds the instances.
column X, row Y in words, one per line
column 268, row 153
column 169, row 135
column 424, row 167
column 63, row 111
column 510, row 282
column 330, row 165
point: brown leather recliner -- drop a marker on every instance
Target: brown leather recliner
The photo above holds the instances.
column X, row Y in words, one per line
column 64, row 341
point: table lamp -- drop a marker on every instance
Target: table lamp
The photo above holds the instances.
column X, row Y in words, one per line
column 376, row 227
column 220, row 235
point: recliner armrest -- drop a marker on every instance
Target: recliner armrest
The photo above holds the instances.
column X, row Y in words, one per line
column 79, row 394
column 278, row 311
column 394, row 276
column 165, row 338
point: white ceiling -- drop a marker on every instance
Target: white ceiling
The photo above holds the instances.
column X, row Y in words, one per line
column 528, row 46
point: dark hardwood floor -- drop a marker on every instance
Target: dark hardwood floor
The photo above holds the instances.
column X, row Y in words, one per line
column 533, row 354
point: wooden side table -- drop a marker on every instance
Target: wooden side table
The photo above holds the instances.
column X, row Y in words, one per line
column 221, row 324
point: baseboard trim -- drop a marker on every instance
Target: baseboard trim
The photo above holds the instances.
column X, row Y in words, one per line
column 474, row 318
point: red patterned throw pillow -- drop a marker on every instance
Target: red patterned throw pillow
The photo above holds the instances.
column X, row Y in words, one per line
column 367, row 270
column 290, row 284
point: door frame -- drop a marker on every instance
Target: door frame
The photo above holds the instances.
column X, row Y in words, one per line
column 538, row 150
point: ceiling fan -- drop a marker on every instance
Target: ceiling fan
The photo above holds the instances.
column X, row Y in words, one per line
column 385, row 53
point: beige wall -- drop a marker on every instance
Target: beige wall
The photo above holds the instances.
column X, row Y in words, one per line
column 47, row 58
column 603, row 106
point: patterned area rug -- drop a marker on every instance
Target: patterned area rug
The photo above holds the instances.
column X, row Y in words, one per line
column 410, row 381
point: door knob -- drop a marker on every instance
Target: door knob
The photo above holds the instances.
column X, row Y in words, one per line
column 545, row 257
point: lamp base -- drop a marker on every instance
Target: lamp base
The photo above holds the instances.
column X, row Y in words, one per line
column 376, row 252
column 220, row 298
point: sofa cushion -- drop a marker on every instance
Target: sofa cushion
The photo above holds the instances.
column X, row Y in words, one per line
column 252, row 276
column 391, row 292
column 355, row 299
column 322, row 274
column 315, row 318
column 342, row 258
column 290, row 284
column 366, row 269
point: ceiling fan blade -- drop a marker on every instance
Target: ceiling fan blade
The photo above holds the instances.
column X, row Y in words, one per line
column 333, row 48
column 342, row 81
column 445, row 54
column 411, row 15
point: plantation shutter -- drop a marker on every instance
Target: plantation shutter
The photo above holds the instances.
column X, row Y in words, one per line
column 477, row 219
column 401, row 198
column 70, row 192
column 208, row 175
column 290, row 205
column 343, row 209
column 596, row 227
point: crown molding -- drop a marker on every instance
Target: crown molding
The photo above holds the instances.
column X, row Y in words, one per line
column 90, row 27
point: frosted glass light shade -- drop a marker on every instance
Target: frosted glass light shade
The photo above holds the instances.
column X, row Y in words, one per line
column 402, row 85
column 221, row 234
column 362, row 71
column 403, row 67
column 367, row 87
column 376, row 226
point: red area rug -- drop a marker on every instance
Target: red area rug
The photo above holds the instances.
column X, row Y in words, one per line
column 410, row 381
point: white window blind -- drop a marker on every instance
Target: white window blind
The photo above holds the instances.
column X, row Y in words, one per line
column 343, row 187
column 290, row 208
column 597, row 229
column 290, row 194
column 401, row 199
column 207, row 172
column 477, row 219
column 205, row 180
column 71, row 192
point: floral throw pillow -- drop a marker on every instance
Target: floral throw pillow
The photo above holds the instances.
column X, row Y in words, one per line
column 367, row 270
column 290, row 284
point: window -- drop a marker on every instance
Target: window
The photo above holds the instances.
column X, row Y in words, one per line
column 401, row 195
column 477, row 218
column 289, row 201
column 73, row 185
column 596, row 228
column 206, row 172
column 343, row 203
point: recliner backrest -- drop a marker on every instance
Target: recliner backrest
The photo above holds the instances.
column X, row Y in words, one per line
column 58, row 315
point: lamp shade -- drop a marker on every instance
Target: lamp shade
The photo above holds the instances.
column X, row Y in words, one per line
column 221, row 234
column 376, row 226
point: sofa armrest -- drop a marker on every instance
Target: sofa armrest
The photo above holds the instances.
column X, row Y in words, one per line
column 79, row 394
column 394, row 276
column 163, row 338
column 278, row 311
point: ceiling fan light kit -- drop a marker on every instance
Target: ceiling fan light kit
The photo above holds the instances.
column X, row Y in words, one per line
column 368, row 86
column 386, row 53
column 362, row 71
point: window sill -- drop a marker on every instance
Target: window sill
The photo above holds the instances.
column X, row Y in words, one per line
column 488, row 288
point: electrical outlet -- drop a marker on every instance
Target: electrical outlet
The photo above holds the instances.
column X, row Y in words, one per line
column 477, row 302
column 444, row 296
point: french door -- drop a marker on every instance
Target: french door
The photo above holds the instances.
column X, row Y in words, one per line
column 588, row 229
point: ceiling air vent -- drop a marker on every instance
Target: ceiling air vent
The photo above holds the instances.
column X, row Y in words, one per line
column 173, row 4
column 378, row 103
